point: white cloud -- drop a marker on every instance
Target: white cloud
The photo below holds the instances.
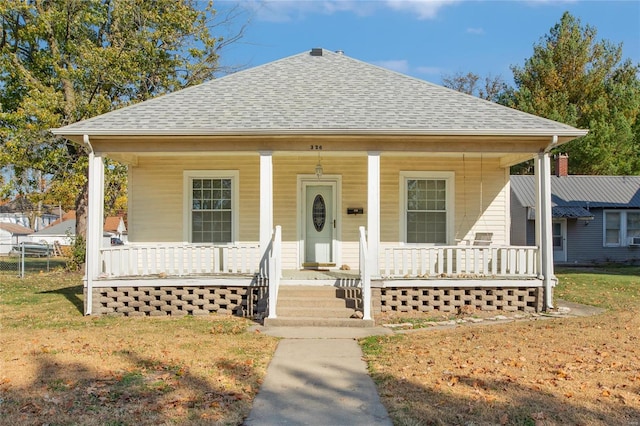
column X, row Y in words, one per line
column 424, row 9
column 399, row 65
column 477, row 31
column 287, row 10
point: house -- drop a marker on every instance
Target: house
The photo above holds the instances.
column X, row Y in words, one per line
column 596, row 219
column 11, row 235
column 317, row 164
column 62, row 233
column 115, row 230
column 22, row 212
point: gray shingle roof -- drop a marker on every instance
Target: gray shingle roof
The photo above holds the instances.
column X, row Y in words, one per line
column 67, row 228
column 582, row 191
column 331, row 93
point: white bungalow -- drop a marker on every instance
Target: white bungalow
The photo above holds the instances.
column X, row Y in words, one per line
column 317, row 169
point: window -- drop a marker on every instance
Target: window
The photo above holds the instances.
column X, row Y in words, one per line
column 211, row 206
column 427, row 207
column 620, row 227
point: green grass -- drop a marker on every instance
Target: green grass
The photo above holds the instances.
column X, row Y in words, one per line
column 614, row 287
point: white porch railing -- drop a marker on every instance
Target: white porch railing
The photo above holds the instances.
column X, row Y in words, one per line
column 275, row 270
column 178, row 259
column 365, row 275
column 460, row 262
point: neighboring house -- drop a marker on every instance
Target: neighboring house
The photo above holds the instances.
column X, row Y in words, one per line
column 596, row 219
column 22, row 212
column 62, row 232
column 11, row 235
column 317, row 161
column 114, row 230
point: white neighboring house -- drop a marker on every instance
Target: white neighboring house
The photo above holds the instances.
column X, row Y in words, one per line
column 21, row 212
column 12, row 234
column 114, row 228
column 63, row 233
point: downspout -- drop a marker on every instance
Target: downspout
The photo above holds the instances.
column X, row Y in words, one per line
column 546, row 242
column 88, row 267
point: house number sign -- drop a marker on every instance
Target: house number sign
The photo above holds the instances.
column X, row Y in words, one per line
column 319, row 213
column 315, row 147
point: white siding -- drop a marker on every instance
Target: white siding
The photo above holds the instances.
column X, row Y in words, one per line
column 481, row 200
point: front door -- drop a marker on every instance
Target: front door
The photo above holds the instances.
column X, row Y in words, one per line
column 559, row 240
column 319, row 224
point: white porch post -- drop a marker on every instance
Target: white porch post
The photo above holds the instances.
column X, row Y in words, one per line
column 266, row 203
column 95, row 214
column 373, row 210
column 544, row 224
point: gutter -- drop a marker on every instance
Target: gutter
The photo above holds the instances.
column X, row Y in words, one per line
column 319, row 132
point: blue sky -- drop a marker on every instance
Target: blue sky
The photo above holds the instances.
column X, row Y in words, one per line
column 423, row 38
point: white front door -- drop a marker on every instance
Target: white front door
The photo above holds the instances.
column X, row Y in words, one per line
column 319, row 223
column 559, row 240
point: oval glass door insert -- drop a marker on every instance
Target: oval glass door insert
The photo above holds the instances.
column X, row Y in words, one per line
column 319, row 213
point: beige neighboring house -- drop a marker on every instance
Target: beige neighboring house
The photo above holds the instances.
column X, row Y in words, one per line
column 323, row 170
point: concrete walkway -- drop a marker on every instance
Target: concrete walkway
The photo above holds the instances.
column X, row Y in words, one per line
column 317, row 377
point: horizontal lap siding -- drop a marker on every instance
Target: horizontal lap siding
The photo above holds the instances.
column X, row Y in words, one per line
column 156, row 196
column 156, row 193
column 481, row 201
column 287, row 199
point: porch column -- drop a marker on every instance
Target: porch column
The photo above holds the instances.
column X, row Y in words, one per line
column 266, row 202
column 544, row 223
column 373, row 210
column 95, row 215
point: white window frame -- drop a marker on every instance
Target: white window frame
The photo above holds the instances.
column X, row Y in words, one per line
column 624, row 238
column 449, row 178
column 188, row 176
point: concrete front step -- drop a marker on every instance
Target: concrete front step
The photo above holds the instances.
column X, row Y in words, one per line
column 317, row 306
column 301, row 302
column 307, row 291
column 317, row 322
column 314, row 312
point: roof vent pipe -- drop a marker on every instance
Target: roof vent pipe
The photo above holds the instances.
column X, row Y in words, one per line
column 316, row 51
column 340, row 52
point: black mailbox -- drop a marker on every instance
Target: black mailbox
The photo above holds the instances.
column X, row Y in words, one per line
column 355, row 210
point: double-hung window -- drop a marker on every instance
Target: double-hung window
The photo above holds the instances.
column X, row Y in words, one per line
column 426, row 207
column 211, row 210
column 621, row 227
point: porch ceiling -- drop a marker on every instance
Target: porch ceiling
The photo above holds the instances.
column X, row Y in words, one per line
column 511, row 149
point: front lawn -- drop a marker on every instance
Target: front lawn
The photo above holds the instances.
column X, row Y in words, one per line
column 59, row 367
column 563, row 371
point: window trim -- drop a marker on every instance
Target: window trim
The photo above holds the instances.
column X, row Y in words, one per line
column 449, row 178
column 624, row 237
column 187, row 193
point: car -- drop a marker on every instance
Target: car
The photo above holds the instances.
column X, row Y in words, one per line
column 116, row 241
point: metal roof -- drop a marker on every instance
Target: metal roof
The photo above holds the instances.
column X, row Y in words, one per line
column 317, row 94
column 582, row 191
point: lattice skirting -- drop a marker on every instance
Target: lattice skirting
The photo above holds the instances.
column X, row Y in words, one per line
column 402, row 299
column 179, row 301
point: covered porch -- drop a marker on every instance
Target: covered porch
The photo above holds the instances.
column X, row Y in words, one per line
column 342, row 166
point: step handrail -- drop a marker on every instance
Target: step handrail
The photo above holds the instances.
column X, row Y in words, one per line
column 275, row 270
column 365, row 275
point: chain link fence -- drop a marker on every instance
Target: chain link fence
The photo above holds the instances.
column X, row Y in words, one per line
column 28, row 258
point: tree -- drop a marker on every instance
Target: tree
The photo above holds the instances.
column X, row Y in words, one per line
column 62, row 61
column 491, row 90
column 577, row 80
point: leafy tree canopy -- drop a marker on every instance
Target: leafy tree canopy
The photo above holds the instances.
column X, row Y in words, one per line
column 62, row 61
column 576, row 79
